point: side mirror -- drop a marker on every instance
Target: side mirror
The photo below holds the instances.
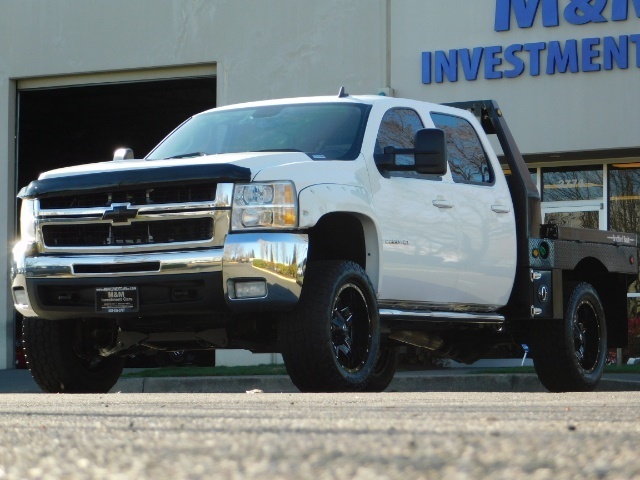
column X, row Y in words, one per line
column 431, row 151
column 123, row 154
column 429, row 154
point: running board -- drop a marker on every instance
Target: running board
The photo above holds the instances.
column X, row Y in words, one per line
column 448, row 317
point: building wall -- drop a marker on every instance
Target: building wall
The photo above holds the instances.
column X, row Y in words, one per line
column 547, row 113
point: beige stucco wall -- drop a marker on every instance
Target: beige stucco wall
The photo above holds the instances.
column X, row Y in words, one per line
column 548, row 113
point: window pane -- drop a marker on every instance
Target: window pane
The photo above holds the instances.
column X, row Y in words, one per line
column 624, row 200
column 571, row 184
column 398, row 129
column 465, row 154
column 587, row 219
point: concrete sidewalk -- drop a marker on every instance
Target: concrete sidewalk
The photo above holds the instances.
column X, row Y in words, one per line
column 445, row 380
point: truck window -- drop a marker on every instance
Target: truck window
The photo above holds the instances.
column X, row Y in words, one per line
column 398, row 129
column 467, row 160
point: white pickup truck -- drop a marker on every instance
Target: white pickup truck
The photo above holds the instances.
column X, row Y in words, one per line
column 330, row 229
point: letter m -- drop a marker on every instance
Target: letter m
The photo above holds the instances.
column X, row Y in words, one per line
column 621, row 9
column 525, row 12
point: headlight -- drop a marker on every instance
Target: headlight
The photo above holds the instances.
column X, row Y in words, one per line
column 28, row 221
column 264, row 205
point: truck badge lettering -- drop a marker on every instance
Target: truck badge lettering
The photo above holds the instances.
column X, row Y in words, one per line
column 389, row 241
column 620, row 239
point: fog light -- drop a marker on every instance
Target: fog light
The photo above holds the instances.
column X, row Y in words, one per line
column 20, row 296
column 249, row 289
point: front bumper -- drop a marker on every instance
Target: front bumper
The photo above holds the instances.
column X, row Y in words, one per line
column 201, row 281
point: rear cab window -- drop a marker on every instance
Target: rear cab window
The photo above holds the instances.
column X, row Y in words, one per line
column 468, row 162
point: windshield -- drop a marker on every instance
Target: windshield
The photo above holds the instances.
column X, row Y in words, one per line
column 322, row 130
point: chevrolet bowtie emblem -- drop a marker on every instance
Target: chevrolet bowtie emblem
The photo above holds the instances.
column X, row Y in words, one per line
column 120, row 213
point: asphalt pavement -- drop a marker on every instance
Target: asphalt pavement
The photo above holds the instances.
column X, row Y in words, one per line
column 442, row 380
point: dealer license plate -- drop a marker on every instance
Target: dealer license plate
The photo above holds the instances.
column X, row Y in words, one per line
column 116, row 299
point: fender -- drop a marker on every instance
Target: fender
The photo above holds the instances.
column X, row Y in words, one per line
column 316, row 201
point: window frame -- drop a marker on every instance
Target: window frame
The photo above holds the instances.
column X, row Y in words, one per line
column 492, row 174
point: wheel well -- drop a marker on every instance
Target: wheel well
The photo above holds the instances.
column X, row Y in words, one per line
column 612, row 290
column 338, row 236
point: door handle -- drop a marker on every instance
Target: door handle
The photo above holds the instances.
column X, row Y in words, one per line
column 442, row 203
column 500, row 208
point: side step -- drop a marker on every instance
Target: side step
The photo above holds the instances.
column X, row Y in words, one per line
column 446, row 317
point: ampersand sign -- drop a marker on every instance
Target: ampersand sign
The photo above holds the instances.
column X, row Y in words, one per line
column 580, row 12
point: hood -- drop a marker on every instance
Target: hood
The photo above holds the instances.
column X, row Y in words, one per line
column 237, row 167
column 255, row 161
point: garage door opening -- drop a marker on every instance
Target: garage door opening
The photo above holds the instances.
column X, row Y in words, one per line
column 65, row 126
column 60, row 127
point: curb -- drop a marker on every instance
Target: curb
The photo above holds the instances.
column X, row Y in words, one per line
column 408, row 383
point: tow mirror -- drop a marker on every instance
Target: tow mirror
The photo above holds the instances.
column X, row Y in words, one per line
column 431, row 156
column 428, row 157
column 123, row 154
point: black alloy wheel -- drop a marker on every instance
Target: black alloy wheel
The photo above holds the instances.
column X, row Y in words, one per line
column 330, row 341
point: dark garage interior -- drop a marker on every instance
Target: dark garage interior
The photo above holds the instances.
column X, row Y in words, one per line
column 60, row 127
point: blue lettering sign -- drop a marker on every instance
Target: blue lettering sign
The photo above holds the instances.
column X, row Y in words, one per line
column 525, row 12
column 534, row 50
column 585, row 55
column 581, row 12
column 426, row 67
column 471, row 62
column 511, row 57
column 446, row 66
column 616, row 52
column 577, row 12
column 636, row 39
column 491, row 61
column 560, row 60
column 621, row 9
column 589, row 54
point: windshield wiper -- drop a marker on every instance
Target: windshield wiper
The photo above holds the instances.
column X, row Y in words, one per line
column 186, row 155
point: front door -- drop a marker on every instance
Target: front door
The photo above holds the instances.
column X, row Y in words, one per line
column 418, row 223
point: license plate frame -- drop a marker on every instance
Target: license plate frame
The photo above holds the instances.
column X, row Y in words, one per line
column 117, row 299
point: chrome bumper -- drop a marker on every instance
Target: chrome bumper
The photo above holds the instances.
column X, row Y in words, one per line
column 278, row 259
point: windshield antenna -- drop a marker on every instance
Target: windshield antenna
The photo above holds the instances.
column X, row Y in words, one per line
column 342, row 93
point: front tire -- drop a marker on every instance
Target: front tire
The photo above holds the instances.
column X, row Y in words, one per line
column 569, row 355
column 330, row 341
column 385, row 369
column 60, row 363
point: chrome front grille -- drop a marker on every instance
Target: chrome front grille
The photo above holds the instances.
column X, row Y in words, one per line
column 156, row 219
column 137, row 233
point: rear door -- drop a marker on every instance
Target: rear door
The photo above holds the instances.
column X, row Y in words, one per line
column 485, row 214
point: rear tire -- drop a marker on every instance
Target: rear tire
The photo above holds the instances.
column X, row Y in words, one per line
column 330, row 341
column 60, row 364
column 569, row 355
